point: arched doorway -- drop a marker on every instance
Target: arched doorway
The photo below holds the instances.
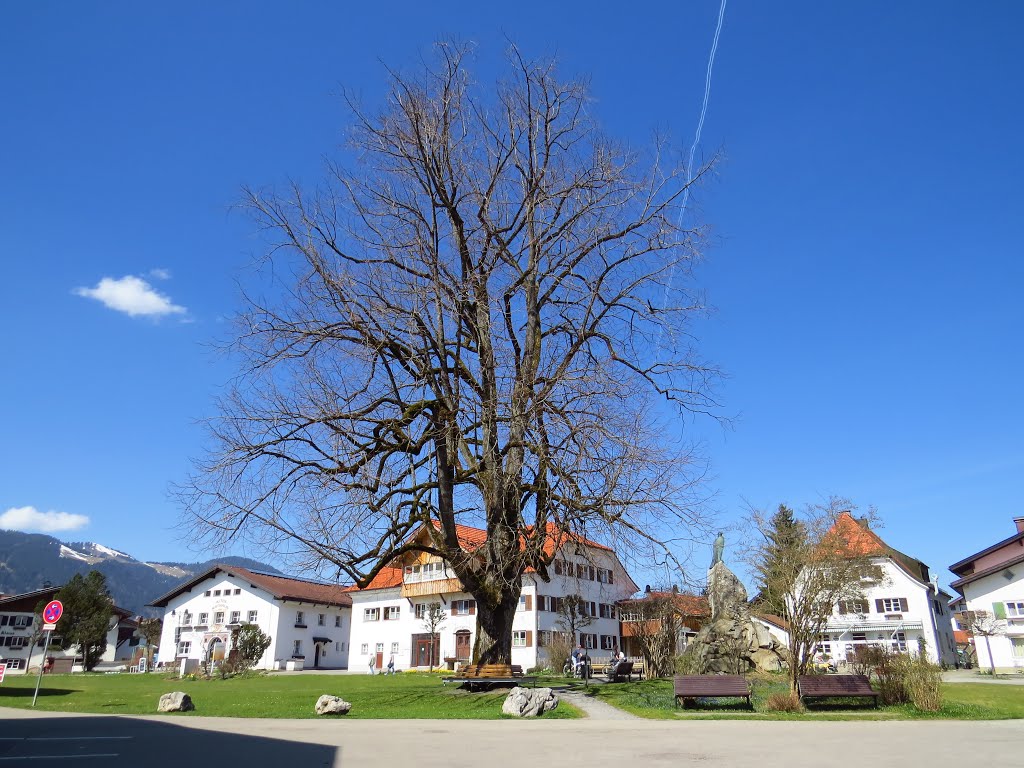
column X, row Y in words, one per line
column 216, row 649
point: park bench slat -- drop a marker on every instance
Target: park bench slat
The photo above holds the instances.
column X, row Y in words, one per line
column 710, row 686
column 835, row 686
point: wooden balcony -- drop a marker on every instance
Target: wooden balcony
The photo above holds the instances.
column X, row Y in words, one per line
column 431, row 587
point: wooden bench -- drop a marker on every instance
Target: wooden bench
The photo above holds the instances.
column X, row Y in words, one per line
column 688, row 688
column 484, row 676
column 820, row 687
column 623, row 671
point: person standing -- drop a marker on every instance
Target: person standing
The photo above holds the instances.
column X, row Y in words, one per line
column 391, row 665
column 373, row 668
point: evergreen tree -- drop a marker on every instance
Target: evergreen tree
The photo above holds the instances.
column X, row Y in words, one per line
column 86, row 619
column 776, row 574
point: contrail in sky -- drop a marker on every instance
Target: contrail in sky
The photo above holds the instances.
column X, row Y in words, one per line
column 696, row 141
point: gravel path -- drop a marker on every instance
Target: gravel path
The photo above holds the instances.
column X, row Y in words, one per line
column 595, row 709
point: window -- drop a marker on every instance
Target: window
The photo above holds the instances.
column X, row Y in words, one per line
column 371, row 614
column 337, row 647
column 394, row 647
column 337, row 621
column 186, row 619
column 1015, row 610
column 543, row 603
column 380, row 647
column 238, row 591
column 20, row 622
column 204, row 619
column 853, row 606
column 207, row 593
column 519, row 639
column 463, row 607
column 392, row 612
column 607, row 611
column 607, row 642
column 824, row 645
column 218, row 617
column 216, row 593
column 588, row 640
column 236, row 617
column 891, row 604
column 544, row 638
column 421, row 611
column 18, row 641
column 1017, row 646
column 297, row 648
column 558, row 567
column 177, row 634
column 899, row 642
column 525, row 603
column 184, row 648
column 320, row 619
column 300, row 619
column 364, row 648
column 252, row 617
column 859, row 637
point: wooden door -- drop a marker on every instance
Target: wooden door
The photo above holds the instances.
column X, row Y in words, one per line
column 380, row 656
column 316, row 654
column 462, row 649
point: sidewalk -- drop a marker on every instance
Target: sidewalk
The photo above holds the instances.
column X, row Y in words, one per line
column 975, row 676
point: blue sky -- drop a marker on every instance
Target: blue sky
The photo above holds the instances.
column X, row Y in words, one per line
column 865, row 262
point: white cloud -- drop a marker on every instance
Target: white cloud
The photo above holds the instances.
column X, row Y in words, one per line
column 31, row 519
column 131, row 295
column 160, row 274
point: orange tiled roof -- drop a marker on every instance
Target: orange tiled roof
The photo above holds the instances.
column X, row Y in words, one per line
column 687, row 605
column 863, row 541
column 281, row 587
column 962, row 637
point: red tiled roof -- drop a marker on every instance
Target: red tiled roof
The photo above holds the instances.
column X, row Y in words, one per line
column 387, row 577
column 687, row 605
column 861, row 540
column 962, row 637
column 281, row 587
column 771, row 618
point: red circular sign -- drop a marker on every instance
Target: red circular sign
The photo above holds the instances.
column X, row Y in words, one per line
column 52, row 611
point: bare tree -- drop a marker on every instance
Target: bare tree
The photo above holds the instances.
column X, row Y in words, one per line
column 824, row 563
column 433, row 619
column 657, row 625
column 471, row 322
column 984, row 624
column 150, row 629
column 572, row 616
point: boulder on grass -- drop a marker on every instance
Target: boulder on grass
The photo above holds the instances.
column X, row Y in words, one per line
column 176, row 701
column 332, row 705
column 529, row 702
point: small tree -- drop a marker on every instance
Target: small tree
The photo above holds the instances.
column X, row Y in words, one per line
column 433, row 620
column 984, row 624
column 825, row 561
column 251, row 643
column 150, row 629
column 573, row 616
column 656, row 624
column 782, row 536
column 86, row 618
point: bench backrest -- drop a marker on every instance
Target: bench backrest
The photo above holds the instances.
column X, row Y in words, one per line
column 488, row 670
column 711, row 685
column 624, row 668
column 834, row 685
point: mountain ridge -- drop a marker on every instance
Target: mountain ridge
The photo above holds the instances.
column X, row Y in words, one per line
column 30, row 560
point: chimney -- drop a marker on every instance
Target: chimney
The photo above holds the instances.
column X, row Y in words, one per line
column 1019, row 522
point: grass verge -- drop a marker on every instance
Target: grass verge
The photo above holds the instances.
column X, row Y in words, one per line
column 409, row 696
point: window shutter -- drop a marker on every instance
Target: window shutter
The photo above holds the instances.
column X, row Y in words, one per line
column 472, row 607
column 842, row 606
column 529, row 639
column 558, row 567
column 866, row 605
column 529, row 604
column 903, row 604
column 878, row 606
column 610, row 579
column 999, row 610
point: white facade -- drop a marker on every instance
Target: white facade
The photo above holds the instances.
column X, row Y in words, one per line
column 385, row 622
column 898, row 612
column 1003, row 599
column 198, row 622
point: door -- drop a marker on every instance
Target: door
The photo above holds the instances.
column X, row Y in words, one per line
column 462, row 650
column 380, row 656
column 316, row 655
column 424, row 651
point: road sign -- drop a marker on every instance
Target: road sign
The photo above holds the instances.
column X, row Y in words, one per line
column 49, row 627
column 52, row 611
column 3, row 669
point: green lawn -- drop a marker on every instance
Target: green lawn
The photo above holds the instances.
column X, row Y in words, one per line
column 961, row 701
column 410, row 696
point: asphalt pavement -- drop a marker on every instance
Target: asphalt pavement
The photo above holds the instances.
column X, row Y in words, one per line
column 42, row 740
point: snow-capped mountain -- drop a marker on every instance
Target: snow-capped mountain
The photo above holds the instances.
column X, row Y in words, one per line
column 30, row 560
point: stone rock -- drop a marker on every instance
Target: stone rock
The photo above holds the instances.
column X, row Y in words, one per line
column 529, row 702
column 727, row 596
column 766, row 660
column 176, row 701
column 332, row 705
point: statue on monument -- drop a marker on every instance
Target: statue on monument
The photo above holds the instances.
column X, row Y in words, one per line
column 719, row 548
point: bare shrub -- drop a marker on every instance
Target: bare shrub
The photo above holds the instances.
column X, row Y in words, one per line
column 559, row 650
column 924, row 684
column 784, row 702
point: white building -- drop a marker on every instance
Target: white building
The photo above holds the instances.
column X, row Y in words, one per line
column 308, row 621
column 992, row 582
column 388, row 615
column 903, row 610
column 21, row 638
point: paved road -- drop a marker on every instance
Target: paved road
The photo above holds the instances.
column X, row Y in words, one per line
column 176, row 741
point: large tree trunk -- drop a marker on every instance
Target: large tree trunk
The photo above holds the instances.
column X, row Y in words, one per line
column 493, row 644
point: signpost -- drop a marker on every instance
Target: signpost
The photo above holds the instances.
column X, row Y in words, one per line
column 51, row 615
column 3, row 670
